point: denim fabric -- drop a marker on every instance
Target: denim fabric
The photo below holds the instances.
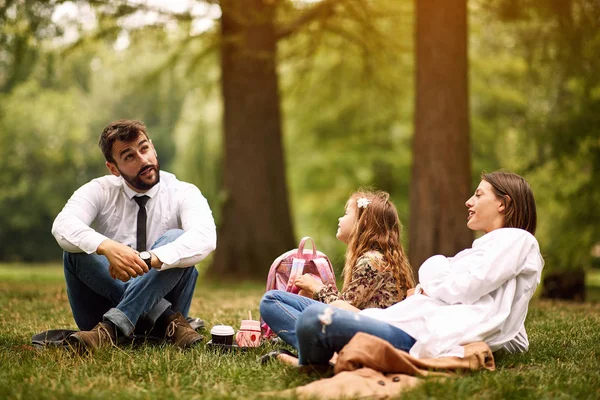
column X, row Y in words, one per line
column 280, row 310
column 94, row 295
column 322, row 332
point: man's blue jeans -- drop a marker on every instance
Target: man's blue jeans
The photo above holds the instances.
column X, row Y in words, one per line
column 280, row 310
column 323, row 330
column 95, row 296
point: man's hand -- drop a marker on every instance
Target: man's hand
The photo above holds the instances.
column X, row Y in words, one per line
column 156, row 263
column 115, row 274
column 309, row 283
column 124, row 262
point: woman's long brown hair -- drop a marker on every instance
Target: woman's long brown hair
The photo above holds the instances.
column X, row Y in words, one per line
column 377, row 228
column 517, row 197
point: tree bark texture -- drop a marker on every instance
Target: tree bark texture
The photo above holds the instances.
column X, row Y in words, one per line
column 441, row 170
column 256, row 226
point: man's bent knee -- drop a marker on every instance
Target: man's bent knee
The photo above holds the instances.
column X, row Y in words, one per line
column 72, row 260
column 168, row 237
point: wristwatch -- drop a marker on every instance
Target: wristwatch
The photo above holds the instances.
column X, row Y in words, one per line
column 147, row 257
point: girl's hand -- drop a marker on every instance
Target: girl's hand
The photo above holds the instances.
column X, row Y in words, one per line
column 308, row 283
column 344, row 305
column 306, row 293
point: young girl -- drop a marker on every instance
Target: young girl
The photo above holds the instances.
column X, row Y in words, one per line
column 481, row 294
column 376, row 273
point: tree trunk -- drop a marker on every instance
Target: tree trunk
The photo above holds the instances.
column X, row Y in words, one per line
column 256, row 226
column 565, row 284
column 441, row 170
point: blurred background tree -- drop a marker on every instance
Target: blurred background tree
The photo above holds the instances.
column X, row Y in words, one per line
column 440, row 179
column 345, row 93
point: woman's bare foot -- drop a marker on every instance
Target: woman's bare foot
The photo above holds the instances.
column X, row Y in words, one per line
column 287, row 359
column 292, row 361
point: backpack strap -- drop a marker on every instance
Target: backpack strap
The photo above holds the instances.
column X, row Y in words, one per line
column 297, row 269
column 300, row 253
column 273, row 272
column 325, row 270
column 298, row 264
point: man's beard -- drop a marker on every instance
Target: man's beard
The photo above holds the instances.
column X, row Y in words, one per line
column 137, row 182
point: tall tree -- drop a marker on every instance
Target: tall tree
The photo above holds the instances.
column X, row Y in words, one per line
column 256, row 224
column 441, row 171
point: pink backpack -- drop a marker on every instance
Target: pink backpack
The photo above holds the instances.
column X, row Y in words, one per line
column 284, row 270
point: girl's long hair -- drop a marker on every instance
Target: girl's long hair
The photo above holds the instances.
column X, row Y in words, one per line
column 377, row 228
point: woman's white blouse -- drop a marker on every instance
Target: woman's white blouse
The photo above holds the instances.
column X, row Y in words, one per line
column 481, row 294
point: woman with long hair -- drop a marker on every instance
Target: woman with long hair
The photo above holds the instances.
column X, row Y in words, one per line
column 481, row 294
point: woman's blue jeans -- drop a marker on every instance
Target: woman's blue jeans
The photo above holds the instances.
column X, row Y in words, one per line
column 298, row 321
column 280, row 310
column 323, row 330
column 95, row 296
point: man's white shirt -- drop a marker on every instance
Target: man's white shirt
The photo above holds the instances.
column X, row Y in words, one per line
column 104, row 208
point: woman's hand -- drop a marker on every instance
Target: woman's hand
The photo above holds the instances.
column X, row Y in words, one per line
column 309, row 283
column 410, row 292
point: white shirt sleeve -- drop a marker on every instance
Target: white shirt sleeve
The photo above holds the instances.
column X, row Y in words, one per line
column 486, row 267
column 200, row 237
column 71, row 228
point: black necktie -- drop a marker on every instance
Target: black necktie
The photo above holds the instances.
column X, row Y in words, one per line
column 141, row 222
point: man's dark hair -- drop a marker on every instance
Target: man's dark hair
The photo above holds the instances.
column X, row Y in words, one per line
column 124, row 130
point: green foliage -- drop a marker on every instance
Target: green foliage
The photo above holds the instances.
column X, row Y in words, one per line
column 23, row 26
column 42, row 138
column 536, row 111
column 561, row 362
column 347, row 106
column 347, row 92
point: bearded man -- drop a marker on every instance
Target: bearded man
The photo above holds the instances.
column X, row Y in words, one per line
column 131, row 240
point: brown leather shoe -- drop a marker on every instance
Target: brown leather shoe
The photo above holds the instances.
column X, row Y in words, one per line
column 101, row 336
column 180, row 333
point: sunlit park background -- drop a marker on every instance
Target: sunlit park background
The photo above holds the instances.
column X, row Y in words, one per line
column 278, row 110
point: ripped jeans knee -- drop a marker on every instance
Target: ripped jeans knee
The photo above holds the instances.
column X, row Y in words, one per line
column 323, row 330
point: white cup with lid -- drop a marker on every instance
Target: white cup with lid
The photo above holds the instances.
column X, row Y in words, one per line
column 222, row 335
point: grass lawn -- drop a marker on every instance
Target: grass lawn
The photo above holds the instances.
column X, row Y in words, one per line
column 563, row 361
